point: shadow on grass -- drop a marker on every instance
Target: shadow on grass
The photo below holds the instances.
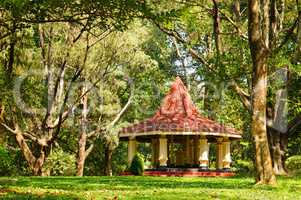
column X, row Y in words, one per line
column 14, row 195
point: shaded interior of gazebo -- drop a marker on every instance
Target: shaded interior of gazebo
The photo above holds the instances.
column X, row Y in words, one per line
column 179, row 135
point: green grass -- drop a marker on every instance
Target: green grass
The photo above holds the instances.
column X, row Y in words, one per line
column 146, row 188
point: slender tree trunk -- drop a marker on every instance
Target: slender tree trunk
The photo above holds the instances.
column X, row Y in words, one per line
column 258, row 41
column 81, row 154
column 108, row 160
column 216, row 29
column 83, row 135
column 11, row 52
column 2, row 129
column 297, row 57
column 236, row 10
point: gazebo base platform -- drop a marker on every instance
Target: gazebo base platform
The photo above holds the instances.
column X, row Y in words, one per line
column 184, row 172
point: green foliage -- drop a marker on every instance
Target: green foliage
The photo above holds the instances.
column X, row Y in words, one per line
column 138, row 52
column 293, row 164
column 12, row 162
column 137, row 165
column 6, row 162
column 244, row 167
column 119, row 159
column 60, row 163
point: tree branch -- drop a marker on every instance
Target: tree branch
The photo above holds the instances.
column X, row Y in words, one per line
column 8, row 128
column 89, row 150
column 245, row 98
column 117, row 118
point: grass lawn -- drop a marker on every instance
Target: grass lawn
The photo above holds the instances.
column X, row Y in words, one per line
column 121, row 187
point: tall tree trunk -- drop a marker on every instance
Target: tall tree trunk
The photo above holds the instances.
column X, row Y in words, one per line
column 264, row 170
column 216, row 29
column 11, row 52
column 83, row 135
column 236, row 10
column 297, row 57
column 108, row 160
column 2, row 129
column 258, row 41
column 81, row 154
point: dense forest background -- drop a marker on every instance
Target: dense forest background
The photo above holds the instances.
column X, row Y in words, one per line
column 72, row 74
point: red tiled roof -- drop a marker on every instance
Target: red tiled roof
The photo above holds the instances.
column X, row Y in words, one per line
column 177, row 113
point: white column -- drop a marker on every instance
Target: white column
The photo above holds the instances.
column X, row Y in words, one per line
column 226, row 154
column 163, row 151
column 131, row 149
column 203, row 153
column 219, row 155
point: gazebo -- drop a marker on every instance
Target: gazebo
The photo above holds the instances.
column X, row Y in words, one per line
column 180, row 136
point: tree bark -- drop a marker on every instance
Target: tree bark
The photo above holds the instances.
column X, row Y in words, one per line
column 297, row 57
column 83, row 135
column 38, row 166
column 35, row 164
column 278, row 147
column 236, row 10
column 2, row 129
column 216, row 29
column 258, row 41
column 11, row 52
column 81, row 154
column 108, row 160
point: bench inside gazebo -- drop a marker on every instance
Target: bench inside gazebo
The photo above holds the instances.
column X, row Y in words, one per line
column 180, row 138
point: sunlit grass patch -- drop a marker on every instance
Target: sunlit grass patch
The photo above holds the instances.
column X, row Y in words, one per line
column 142, row 187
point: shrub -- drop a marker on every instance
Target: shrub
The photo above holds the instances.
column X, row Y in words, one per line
column 60, row 163
column 6, row 162
column 244, row 167
column 293, row 164
column 137, row 165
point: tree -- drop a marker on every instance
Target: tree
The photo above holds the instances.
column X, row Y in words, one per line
column 233, row 69
column 259, row 46
column 115, row 63
column 37, row 132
